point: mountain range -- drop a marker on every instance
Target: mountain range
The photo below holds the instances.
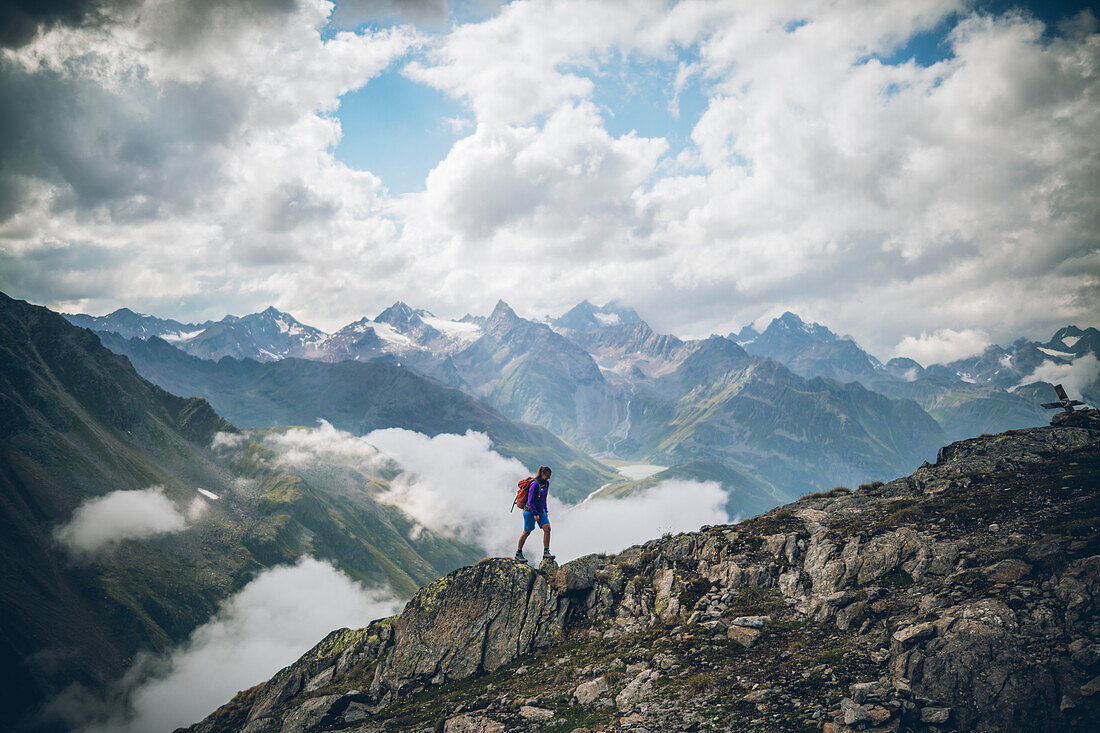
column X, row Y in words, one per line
column 192, row 413
column 762, row 412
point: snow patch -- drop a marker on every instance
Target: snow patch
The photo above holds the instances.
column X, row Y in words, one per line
column 208, row 494
column 639, row 471
column 177, row 336
column 608, row 319
column 1052, row 352
column 387, row 333
column 458, row 330
column 1069, row 341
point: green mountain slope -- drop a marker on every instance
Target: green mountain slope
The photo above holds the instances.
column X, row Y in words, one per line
column 782, row 434
column 358, row 397
column 77, row 422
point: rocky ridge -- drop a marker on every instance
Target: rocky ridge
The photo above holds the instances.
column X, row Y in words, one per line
column 962, row 597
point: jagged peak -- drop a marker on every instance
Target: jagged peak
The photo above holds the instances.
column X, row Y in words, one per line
column 792, row 319
column 402, row 318
column 502, row 310
column 585, row 316
column 746, row 335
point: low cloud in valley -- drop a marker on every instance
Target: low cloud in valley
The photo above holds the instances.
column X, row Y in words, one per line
column 1076, row 376
column 459, row 486
column 104, row 521
column 268, row 624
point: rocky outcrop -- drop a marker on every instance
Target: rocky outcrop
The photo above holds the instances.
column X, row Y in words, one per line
column 1085, row 418
column 963, row 597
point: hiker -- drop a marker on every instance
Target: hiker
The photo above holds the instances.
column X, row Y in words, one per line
column 534, row 510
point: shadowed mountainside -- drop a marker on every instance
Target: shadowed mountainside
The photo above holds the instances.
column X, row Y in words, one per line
column 78, row 423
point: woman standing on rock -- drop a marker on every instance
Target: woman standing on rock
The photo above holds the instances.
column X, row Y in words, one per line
column 535, row 511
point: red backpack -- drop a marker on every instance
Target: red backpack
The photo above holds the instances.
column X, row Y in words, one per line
column 521, row 495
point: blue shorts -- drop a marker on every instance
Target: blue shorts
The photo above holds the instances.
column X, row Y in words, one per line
column 529, row 519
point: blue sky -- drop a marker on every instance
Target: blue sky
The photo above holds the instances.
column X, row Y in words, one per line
column 400, row 129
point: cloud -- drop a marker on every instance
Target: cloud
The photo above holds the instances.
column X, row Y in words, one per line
column 99, row 523
column 223, row 440
column 22, row 20
column 565, row 178
column 265, row 626
column 942, row 346
column 205, row 141
column 827, row 172
column 1078, row 376
column 351, row 13
column 325, row 444
column 455, row 485
column 458, row 486
column 609, row 525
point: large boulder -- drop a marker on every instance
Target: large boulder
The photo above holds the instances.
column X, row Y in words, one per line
column 473, row 620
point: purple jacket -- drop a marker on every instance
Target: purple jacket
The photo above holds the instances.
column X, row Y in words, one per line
column 536, row 496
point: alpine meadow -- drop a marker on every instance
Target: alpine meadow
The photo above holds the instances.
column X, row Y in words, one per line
column 564, row 366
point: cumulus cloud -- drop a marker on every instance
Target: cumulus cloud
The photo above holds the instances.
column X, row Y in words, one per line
column 612, row 524
column 458, row 486
column 304, row 446
column 21, row 21
column 827, row 173
column 176, row 123
column 225, row 441
column 265, row 626
column 1077, row 376
column 942, row 346
column 351, row 13
column 104, row 521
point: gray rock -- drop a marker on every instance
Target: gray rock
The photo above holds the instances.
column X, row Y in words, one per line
column 760, row 694
column 587, row 692
column 752, row 622
column 854, row 713
column 1007, row 571
column 743, row 635
column 915, row 633
column 935, row 715
column 306, row 716
column 480, row 617
column 638, row 688
column 861, row 690
column 320, row 679
column 472, row 723
column 530, row 712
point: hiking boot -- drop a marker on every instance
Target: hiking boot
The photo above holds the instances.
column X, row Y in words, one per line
column 547, row 556
column 520, row 557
